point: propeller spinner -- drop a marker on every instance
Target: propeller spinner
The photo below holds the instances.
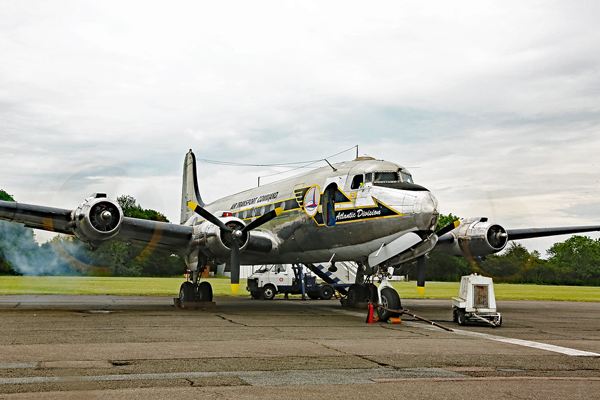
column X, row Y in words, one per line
column 234, row 235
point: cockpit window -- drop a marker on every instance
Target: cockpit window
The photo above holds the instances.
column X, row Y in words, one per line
column 356, row 181
column 369, row 177
column 406, row 177
column 386, row 177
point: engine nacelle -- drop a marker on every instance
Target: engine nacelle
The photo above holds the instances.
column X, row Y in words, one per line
column 474, row 237
column 97, row 219
column 216, row 243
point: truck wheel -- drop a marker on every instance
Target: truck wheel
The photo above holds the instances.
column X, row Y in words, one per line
column 326, row 292
column 268, row 292
column 313, row 295
column 256, row 294
column 391, row 300
column 205, row 292
column 355, row 294
column 187, row 292
column 461, row 317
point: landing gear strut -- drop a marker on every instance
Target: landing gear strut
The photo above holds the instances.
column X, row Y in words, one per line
column 365, row 291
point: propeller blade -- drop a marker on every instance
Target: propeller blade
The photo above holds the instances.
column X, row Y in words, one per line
column 263, row 220
column 447, row 228
column 421, row 275
column 208, row 216
column 235, row 266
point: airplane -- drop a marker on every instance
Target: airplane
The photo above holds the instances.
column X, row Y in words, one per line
column 366, row 211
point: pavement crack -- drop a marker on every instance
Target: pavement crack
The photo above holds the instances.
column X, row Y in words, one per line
column 332, row 348
column 230, row 320
column 381, row 364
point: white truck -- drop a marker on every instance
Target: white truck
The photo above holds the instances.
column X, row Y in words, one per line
column 287, row 278
column 476, row 301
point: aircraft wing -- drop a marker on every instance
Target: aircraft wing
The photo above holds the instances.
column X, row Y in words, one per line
column 139, row 232
column 39, row 217
column 154, row 234
column 478, row 237
column 517, row 234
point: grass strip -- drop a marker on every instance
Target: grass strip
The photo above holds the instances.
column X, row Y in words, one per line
column 81, row 285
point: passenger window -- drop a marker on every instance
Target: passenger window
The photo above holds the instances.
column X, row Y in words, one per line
column 357, row 182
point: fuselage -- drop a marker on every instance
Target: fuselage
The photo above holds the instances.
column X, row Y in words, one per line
column 346, row 211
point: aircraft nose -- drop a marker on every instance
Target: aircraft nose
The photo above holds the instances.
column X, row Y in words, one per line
column 426, row 211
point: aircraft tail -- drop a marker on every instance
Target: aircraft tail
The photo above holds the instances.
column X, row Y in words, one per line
column 189, row 191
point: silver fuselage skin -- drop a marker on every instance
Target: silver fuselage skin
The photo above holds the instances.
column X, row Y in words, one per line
column 366, row 216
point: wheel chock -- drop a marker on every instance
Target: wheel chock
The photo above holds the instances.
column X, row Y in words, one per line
column 393, row 320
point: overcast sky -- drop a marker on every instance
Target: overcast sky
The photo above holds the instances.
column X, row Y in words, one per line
column 493, row 106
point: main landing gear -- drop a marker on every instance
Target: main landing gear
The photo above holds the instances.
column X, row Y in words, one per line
column 195, row 291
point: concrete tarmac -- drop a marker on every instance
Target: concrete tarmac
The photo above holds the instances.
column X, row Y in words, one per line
column 143, row 347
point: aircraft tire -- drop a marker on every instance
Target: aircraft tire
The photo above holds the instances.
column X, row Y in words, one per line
column 205, row 292
column 355, row 294
column 326, row 292
column 187, row 292
column 389, row 299
column 268, row 292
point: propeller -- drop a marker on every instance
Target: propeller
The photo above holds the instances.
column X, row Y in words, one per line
column 448, row 228
column 421, row 259
column 235, row 235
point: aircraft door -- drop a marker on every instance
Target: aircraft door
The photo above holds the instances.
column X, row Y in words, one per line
column 328, row 204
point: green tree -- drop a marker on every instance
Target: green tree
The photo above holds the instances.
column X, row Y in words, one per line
column 577, row 260
column 445, row 220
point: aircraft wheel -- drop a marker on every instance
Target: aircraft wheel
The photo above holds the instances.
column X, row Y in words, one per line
column 355, row 294
column 187, row 292
column 461, row 317
column 326, row 292
column 205, row 292
column 269, row 292
column 391, row 300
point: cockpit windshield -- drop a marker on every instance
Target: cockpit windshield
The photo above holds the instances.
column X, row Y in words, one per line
column 406, row 177
column 386, row 177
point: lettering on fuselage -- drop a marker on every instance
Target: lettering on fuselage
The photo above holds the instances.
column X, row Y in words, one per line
column 380, row 210
column 254, row 200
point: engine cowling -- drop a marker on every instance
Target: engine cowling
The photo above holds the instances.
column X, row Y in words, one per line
column 97, row 219
column 216, row 243
column 474, row 237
